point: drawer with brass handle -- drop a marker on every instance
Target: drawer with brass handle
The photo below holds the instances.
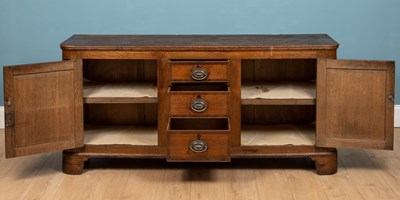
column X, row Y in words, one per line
column 199, row 71
column 197, row 140
column 201, row 102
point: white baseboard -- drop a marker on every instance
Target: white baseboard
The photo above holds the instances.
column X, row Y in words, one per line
column 396, row 116
column 2, row 117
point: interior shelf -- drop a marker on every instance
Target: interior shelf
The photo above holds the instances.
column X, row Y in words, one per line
column 131, row 135
column 278, row 93
column 120, row 92
column 283, row 134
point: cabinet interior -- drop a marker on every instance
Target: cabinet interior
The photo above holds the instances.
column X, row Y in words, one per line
column 103, row 70
column 278, row 102
column 203, row 124
column 181, row 87
column 125, row 81
column 120, row 102
column 278, row 70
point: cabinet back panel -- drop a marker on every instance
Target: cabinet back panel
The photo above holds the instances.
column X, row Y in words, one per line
column 198, row 124
column 121, row 114
column 260, row 70
column 267, row 115
column 199, row 87
column 120, row 70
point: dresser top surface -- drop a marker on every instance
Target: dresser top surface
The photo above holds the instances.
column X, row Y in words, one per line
column 199, row 42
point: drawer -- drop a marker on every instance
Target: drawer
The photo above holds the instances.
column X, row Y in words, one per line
column 198, row 140
column 199, row 71
column 199, row 101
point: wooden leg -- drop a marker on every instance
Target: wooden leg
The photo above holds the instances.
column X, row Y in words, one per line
column 326, row 164
column 73, row 164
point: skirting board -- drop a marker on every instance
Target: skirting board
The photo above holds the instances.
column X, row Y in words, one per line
column 1, row 116
column 396, row 116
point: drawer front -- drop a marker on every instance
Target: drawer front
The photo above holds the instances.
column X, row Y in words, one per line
column 199, row 104
column 198, row 147
column 199, row 71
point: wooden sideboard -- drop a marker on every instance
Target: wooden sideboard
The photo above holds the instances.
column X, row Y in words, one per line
column 198, row 98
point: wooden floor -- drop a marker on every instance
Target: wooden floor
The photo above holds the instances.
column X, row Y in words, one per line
column 363, row 174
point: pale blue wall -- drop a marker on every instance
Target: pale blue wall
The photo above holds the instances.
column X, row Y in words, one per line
column 31, row 30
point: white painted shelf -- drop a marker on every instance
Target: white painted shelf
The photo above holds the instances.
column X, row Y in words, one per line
column 272, row 135
column 131, row 135
column 278, row 93
column 125, row 92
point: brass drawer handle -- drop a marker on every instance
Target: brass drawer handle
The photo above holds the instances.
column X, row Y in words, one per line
column 199, row 74
column 198, row 146
column 198, row 105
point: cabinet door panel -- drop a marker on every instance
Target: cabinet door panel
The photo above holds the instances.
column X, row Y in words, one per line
column 355, row 104
column 44, row 107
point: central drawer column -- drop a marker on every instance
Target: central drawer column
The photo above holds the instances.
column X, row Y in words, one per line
column 199, row 107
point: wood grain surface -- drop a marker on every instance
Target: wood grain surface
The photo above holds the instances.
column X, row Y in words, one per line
column 362, row 175
column 198, row 42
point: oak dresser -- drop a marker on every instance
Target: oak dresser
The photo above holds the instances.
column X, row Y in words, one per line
column 198, row 98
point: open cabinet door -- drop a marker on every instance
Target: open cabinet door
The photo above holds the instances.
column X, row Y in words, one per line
column 43, row 107
column 355, row 104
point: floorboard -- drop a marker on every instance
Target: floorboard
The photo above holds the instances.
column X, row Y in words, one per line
column 362, row 174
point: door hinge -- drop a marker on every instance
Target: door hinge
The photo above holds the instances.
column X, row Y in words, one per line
column 391, row 98
column 7, row 101
column 9, row 119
